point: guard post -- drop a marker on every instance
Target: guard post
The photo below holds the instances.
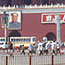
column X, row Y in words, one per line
column 30, row 59
column 52, row 59
column 6, row 60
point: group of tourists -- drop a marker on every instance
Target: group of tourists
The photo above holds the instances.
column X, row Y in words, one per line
column 44, row 47
column 47, row 47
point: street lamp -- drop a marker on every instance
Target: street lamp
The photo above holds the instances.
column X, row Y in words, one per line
column 58, row 28
column 5, row 21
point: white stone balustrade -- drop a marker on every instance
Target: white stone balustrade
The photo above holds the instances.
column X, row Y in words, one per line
column 34, row 6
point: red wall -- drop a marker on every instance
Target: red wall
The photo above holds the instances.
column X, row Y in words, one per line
column 32, row 26
column 1, row 29
column 63, row 32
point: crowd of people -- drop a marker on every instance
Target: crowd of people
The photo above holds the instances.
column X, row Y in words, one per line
column 44, row 47
column 47, row 47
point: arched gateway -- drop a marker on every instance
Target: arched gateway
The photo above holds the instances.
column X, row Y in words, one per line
column 14, row 33
column 51, row 36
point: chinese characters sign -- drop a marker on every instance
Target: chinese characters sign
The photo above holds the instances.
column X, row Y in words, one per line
column 51, row 18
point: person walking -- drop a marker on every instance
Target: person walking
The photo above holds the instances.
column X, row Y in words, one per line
column 22, row 50
column 30, row 49
column 58, row 48
column 40, row 49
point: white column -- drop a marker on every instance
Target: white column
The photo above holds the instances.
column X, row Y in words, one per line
column 5, row 32
column 58, row 29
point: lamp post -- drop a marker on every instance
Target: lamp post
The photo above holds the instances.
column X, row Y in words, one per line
column 5, row 20
column 58, row 29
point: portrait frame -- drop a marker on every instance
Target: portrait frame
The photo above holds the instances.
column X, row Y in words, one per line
column 13, row 27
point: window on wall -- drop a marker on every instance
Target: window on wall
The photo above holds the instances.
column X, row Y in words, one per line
column 45, row 2
column 27, row 2
column 9, row 2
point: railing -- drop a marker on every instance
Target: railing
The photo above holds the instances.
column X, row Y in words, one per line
column 18, row 59
column 33, row 6
column 2, row 60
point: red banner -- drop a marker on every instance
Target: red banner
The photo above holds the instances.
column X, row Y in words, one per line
column 51, row 18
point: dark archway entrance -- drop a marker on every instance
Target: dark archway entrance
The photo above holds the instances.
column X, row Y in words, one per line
column 14, row 33
column 51, row 36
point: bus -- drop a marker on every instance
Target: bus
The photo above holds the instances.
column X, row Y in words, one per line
column 2, row 42
column 19, row 41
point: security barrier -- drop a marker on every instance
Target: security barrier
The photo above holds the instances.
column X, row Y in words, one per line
column 18, row 59
column 41, row 60
column 2, row 60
